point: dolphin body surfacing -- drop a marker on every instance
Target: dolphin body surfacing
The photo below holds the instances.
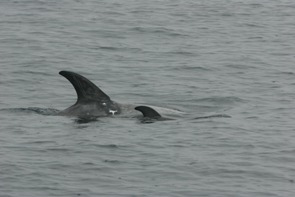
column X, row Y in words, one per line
column 91, row 102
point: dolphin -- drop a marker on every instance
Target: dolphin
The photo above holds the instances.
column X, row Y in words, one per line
column 93, row 102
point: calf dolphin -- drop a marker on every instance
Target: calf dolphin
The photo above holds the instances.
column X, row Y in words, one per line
column 149, row 114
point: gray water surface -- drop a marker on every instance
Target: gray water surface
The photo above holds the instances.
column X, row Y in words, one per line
column 204, row 58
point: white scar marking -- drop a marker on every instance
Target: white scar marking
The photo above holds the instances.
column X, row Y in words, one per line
column 104, row 104
column 112, row 111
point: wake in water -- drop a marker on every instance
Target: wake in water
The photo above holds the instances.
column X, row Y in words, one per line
column 36, row 110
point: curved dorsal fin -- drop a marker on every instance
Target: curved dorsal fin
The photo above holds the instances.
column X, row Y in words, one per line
column 148, row 112
column 86, row 90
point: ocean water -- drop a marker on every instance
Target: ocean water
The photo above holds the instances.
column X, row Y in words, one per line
column 230, row 60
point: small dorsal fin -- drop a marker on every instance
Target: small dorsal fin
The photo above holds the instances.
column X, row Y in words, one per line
column 86, row 90
column 148, row 112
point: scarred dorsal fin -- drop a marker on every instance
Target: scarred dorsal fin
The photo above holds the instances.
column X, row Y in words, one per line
column 148, row 112
column 86, row 90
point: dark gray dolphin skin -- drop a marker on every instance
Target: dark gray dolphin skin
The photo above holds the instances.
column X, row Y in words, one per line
column 150, row 114
column 91, row 102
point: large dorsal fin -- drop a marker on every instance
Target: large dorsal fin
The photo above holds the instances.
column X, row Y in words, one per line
column 86, row 90
column 148, row 112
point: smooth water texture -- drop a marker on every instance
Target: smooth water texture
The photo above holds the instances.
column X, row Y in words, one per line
column 205, row 58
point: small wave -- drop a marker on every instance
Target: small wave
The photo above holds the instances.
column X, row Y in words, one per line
column 107, row 145
column 285, row 73
column 182, row 53
column 59, row 149
column 159, row 30
column 218, row 99
column 109, row 48
column 213, row 116
column 111, row 161
column 198, row 68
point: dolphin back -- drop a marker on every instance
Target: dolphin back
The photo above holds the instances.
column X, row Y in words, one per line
column 148, row 112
